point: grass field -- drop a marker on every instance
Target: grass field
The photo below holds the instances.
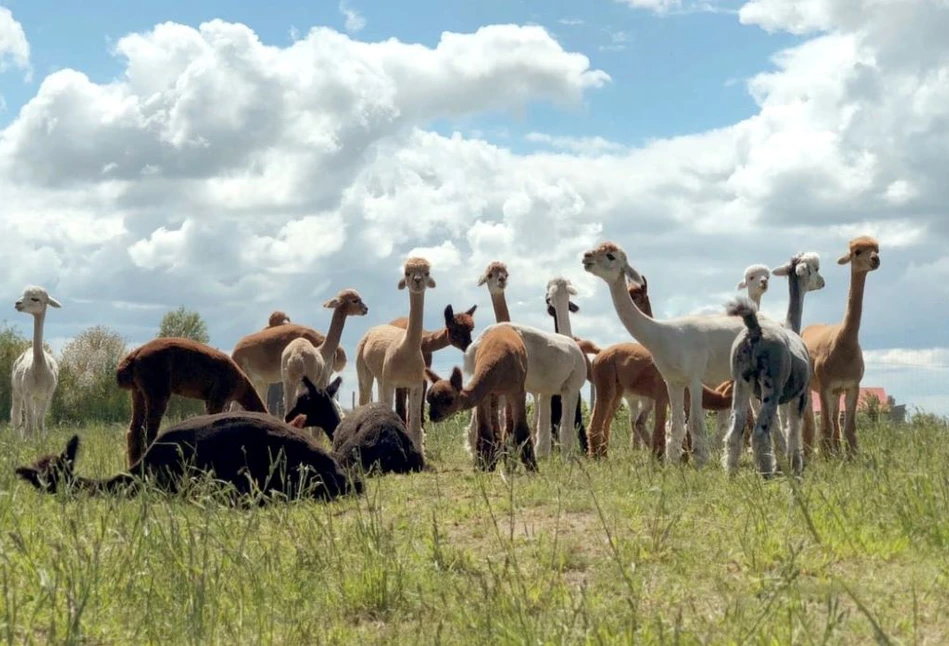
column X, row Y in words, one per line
column 611, row 552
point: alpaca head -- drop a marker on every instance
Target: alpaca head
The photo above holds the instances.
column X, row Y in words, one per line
column 417, row 276
column 559, row 291
column 52, row 473
column 755, row 280
column 349, row 301
column 459, row 326
column 277, row 318
column 806, row 266
column 444, row 397
column 35, row 300
column 495, row 276
column 640, row 295
column 864, row 255
column 317, row 406
column 609, row 262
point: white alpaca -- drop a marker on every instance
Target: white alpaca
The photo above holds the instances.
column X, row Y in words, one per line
column 35, row 372
column 688, row 350
column 756, row 282
column 555, row 366
column 559, row 291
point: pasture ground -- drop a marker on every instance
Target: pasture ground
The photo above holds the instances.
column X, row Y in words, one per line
column 612, row 552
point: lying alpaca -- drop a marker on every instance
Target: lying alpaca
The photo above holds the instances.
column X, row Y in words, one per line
column 372, row 435
column 499, row 366
column 170, row 366
column 457, row 332
column 35, row 372
column 250, row 451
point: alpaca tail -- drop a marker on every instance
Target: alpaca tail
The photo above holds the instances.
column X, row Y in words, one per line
column 715, row 400
column 745, row 308
column 124, row 372
column 588, row 347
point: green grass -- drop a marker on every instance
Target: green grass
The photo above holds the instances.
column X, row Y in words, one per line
column 612, row 552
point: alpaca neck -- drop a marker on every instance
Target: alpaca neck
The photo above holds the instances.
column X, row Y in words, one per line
column 641, row 327
column 435, row 341
column 333, row 335
column 413, row 333
column 501, row 315
column 795, row 303
column 562, row 321
column 39, row 355
column 851, row 324
column 756, row 298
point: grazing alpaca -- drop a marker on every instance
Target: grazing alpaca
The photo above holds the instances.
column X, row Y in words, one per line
column 756, row 282
column 371, row 436
column 457, row 332
column 498, row 363
column 626, row 370
column 252, row 452
column 836, row 356
column 300, row 357
column 688, row 350
column 35, row 372
column 557, row 298
column 259, row 354
column 168, row 366
column 393, row 356
column 771, row 362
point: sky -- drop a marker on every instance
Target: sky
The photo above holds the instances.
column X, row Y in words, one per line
column 235, row 159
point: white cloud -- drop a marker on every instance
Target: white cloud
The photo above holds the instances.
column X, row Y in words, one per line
column 354, row 20
column 14, row 47
column 579, row 145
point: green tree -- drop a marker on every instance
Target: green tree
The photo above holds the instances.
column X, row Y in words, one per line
column 87, row 390
column 186, row 323
column 12, row 344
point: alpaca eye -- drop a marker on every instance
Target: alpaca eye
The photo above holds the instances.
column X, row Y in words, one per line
column 858, row 252
column 35, row 300
column 610, row 256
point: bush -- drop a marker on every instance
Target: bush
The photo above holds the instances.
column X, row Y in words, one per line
column 12, row 345
column 87, row 390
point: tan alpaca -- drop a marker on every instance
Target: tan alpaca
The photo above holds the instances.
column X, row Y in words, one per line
column 495, row 276
column 393, row 356
column 499, row 366
column 836, row 356
column 301, row 358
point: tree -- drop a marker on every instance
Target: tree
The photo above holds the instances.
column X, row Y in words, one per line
column 185, row 323
column 12, row 344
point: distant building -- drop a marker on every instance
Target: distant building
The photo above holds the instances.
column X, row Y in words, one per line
column 897, row 412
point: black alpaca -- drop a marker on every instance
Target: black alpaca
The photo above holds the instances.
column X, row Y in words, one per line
column 254, row 452
column 372, row 436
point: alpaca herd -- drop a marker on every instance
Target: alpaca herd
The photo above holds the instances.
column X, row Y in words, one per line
column 761, row 371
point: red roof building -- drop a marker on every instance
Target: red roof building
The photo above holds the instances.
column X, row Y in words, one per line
column 879, row 393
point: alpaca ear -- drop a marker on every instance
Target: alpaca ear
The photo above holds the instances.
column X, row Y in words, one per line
column 72, row 448
column 801, row 269
column 456, row 379
column 334, row 386
column 52, row 301
column 431, row 375
column 482, row 280
column 449, row 315
column 471, row 311
column 844, row 259
column 742, row 285
column 333, row 303
column 29, row 474
column 645, row 284
column 551, row 311
column 401, row 283
column 632, row 274
column 309, row 385
column 298, row 422
column 430, row 282
column 573, row 307
column 571, row 289
column 783, row 270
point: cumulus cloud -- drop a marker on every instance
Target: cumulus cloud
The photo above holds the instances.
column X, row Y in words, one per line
column 354, row 20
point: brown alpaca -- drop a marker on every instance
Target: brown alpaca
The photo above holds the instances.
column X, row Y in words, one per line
column 277, row 318
column 836, row 356
column 457, row 332
column 259, row 354
column 500, row 369
column 627, row 370
column 168, row 366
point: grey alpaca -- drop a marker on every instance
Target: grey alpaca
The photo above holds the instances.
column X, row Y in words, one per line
column 771, row 361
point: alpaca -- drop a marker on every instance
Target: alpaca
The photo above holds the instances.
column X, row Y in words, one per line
column 167, row 366
column 498, row 363
column 771, row 362
column 274, row 392
column 300, row 357
column 756, row 282
column 277, row 318
column 457, row 332
column 557, row 298
column 495, row 276
column 371, row 436
column 251, row 452
column 587, row 347
column 259, row 354
column 35, row 372
column 393, row 356
column 836, row 356
column 687, row 350
column 626, row 370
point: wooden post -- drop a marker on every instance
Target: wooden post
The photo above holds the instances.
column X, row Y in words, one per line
column 275, row 400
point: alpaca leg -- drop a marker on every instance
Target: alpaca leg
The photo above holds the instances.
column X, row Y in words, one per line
column 415, row 423
column 739, row 414
column 386, row 393
column 522, row 437
column 471, row 434
column 364, row 378
column 661, row 407
column 637, row 437
column 794, row 416
column 809, row 425
column 761, row 440
column 603, row 411
column 581, row 429
column 722, row 419
column 155, row 407
column 697, row 430
column 568, row 429
column 135, row 435
column 29, row 410
column 42, row 408
column 16, row 414
column 850, row 420
column 400, row 397
column 779, row 432
column 542, row 413
column 828, row 411
column 677, row 403
column 556, row 414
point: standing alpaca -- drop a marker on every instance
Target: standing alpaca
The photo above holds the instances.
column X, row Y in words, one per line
column 498, row 363
column 300, row 357
column 771, row 362
column 756, row 282
column 557, row 298
column 167, row 366
column 687, row 350
column 274, row 394
column 371, row 436
column 836, row 355
column 251, row 452
column 35, row 372
column 393, row 356
column 457, row 332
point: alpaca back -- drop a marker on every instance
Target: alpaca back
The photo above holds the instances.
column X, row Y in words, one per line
column 375, row 437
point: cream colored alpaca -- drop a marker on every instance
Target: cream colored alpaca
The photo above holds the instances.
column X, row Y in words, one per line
column 301, row 358
column 35, row 372
column 393, row 356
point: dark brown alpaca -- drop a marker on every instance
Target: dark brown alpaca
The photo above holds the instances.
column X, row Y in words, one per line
column 252, row 452
column 457, row 332
column 170, row 366
column 500, row 369
column 372, row 436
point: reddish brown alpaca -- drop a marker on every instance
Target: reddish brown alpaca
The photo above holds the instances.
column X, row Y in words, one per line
column 170, row 366
column 628, row 368
column 457, row 332
column 500, row 369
